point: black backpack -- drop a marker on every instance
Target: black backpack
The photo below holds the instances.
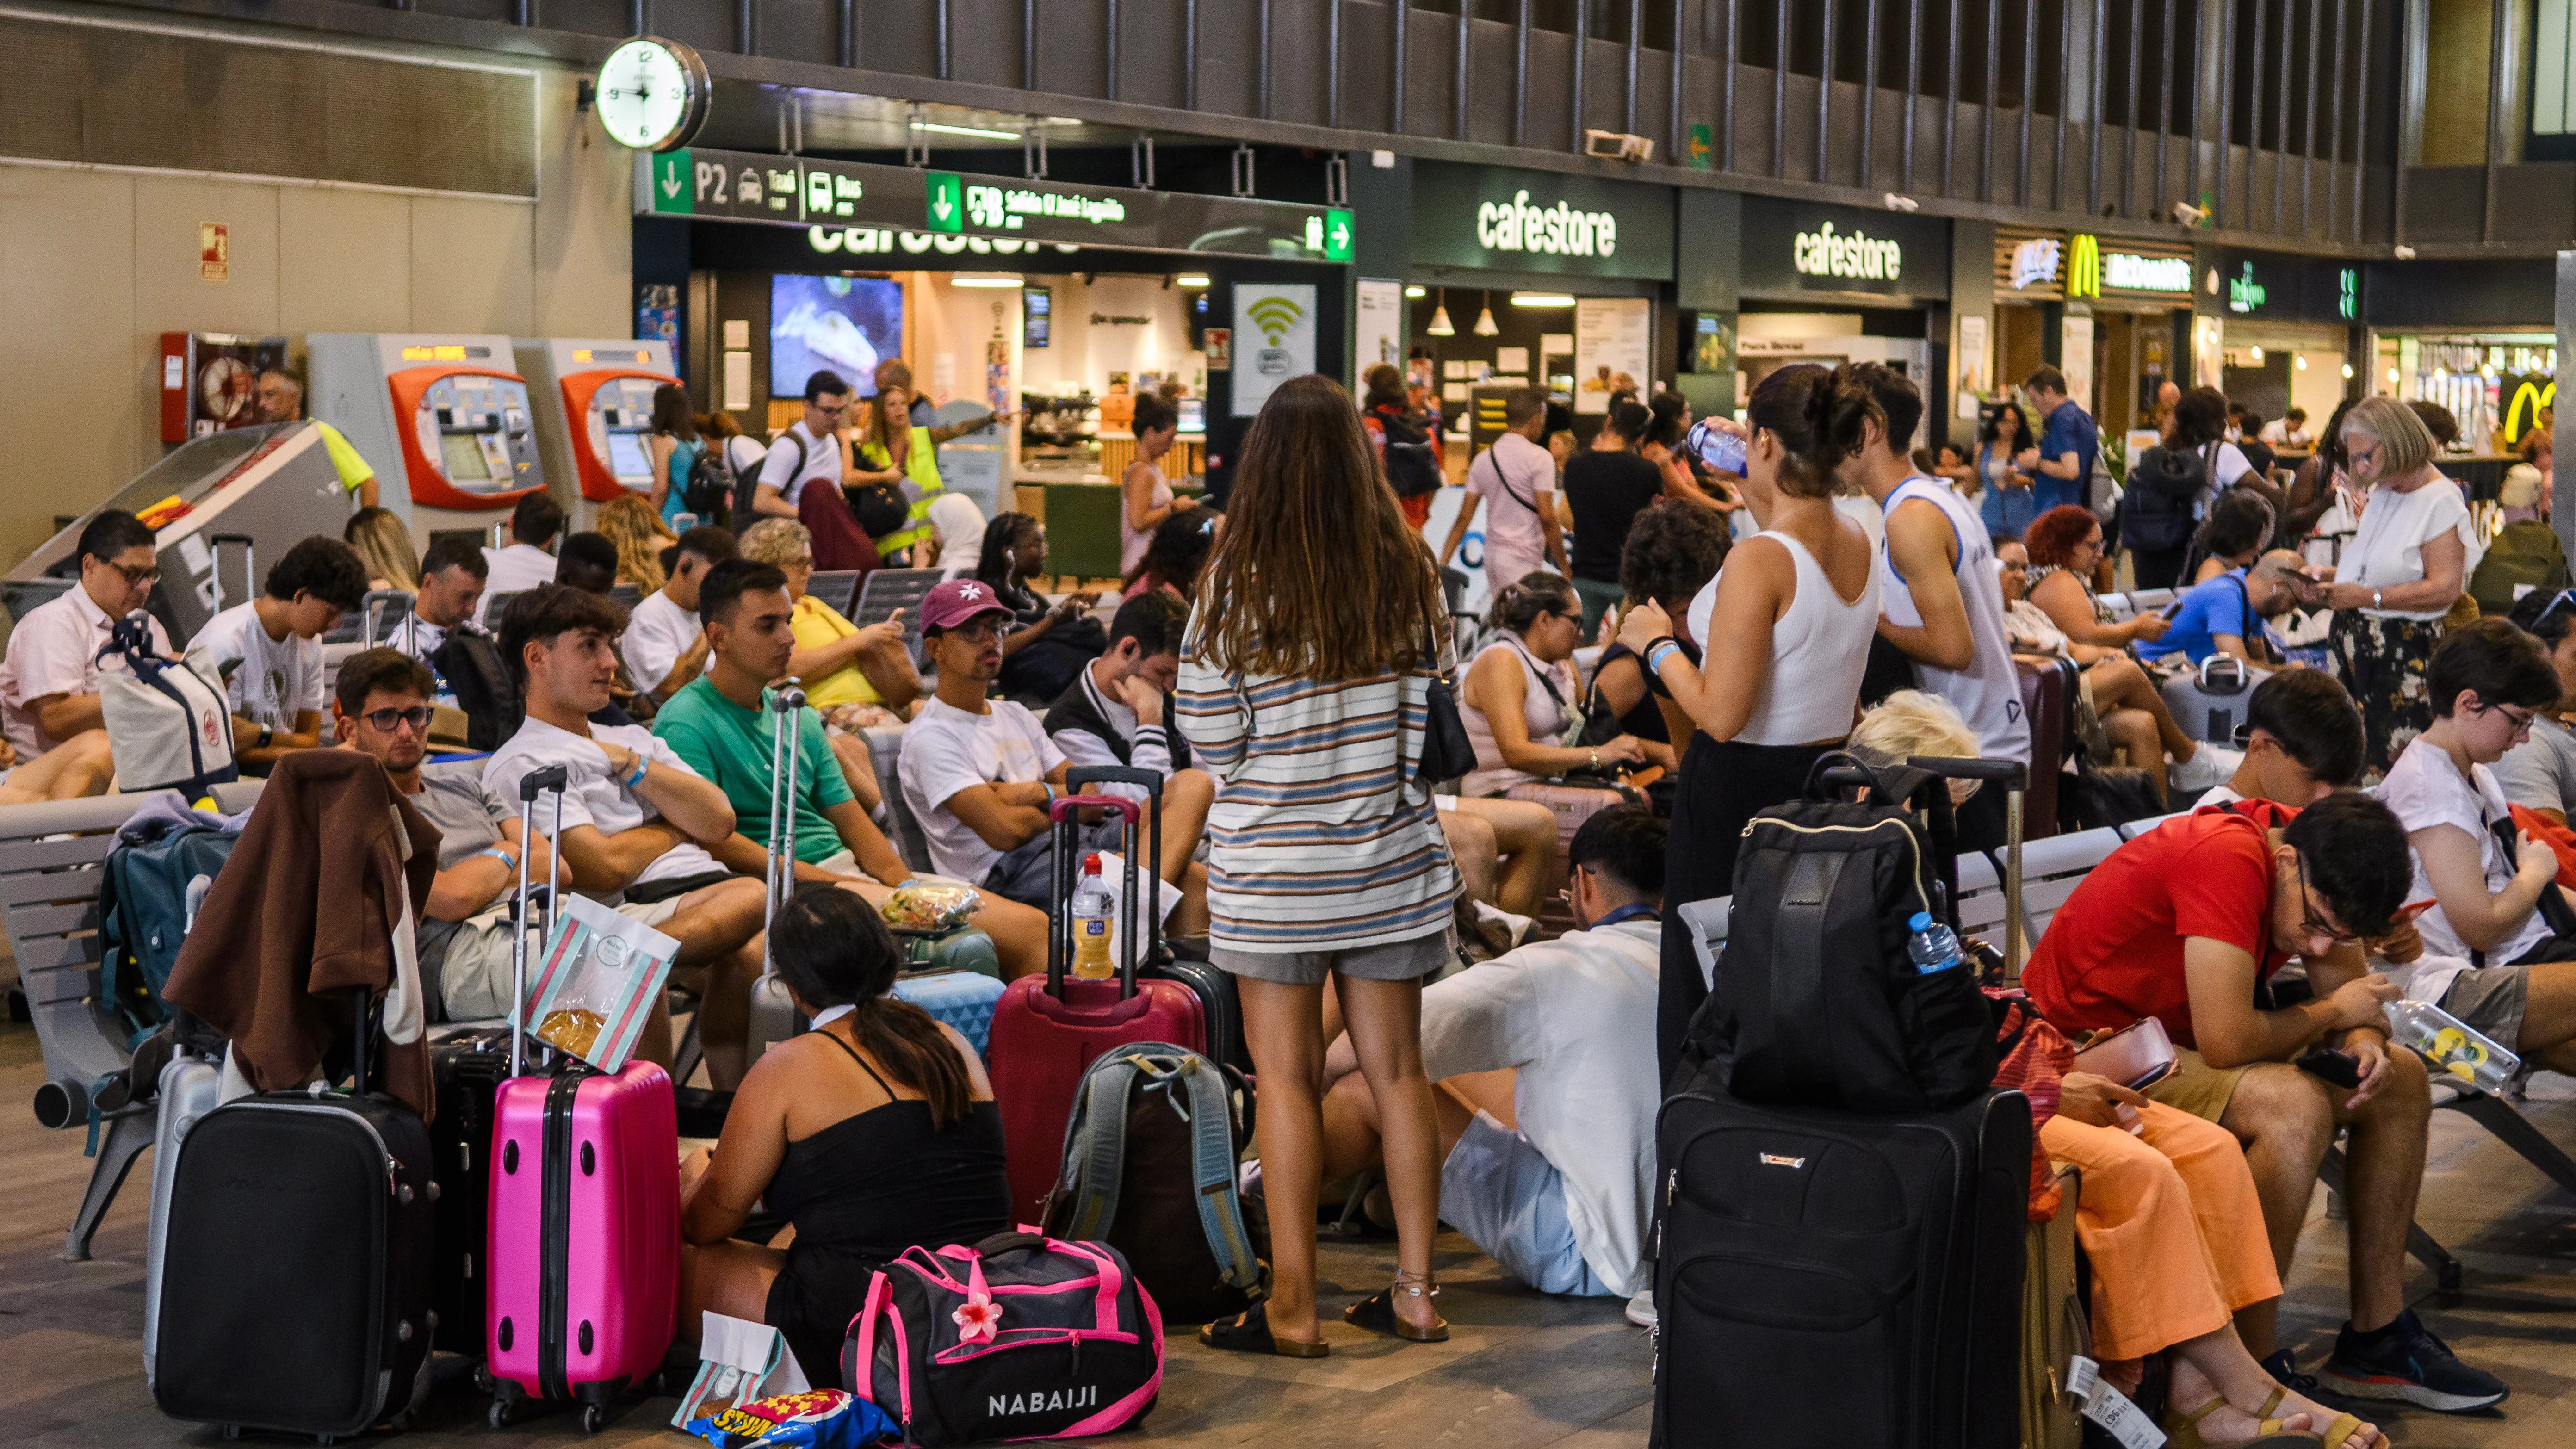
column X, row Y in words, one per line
column 1816, row 1002
column 1412, row 467
column 2156, row 503
column 470, row 661
column 880, row 508
column 711, row 484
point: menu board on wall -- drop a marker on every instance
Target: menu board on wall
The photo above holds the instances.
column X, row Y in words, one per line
column 1613, row 350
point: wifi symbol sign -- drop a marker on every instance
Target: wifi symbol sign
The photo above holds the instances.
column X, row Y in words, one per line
column 1275, row 316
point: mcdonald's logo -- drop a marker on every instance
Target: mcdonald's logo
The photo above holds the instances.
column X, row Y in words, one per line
column 2084, row 267
column 2521, row 414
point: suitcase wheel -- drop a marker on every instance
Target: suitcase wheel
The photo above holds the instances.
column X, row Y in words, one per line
column 592, row 1417
column 500, row 1415
column 232, row 1431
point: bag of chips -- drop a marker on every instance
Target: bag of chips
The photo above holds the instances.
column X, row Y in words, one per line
column 814, row 1419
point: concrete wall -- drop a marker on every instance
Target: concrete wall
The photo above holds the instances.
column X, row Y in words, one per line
column 95, row 265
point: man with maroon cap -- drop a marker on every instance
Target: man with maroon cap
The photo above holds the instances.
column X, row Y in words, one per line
column 979, row 773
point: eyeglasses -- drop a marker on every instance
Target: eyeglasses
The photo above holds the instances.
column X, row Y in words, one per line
column 2521, row 717
column 137, row 577
column 978, row 630
column 383, row 721
column 840, row 411
column 2565, row 597
column 2308, row 921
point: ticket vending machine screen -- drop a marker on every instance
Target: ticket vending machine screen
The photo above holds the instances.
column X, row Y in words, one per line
column 620, row 418
column 477, row 429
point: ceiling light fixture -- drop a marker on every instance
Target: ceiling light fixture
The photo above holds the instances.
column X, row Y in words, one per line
column 979, row 132
column 1541, row 299
column 1191, row 279
column 982, row 279
column 1414, row 292
column 1440, row 317
column 1485, row 324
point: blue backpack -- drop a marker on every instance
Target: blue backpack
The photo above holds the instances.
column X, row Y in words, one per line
column 145, row 906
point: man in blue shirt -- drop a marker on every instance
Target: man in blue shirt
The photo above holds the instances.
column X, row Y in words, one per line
column 2228, row 614
column 2061, row 467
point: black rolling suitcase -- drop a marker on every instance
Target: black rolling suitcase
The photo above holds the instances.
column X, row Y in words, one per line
column 466, row 1069
column 1826, row 1279
column 296, row 1270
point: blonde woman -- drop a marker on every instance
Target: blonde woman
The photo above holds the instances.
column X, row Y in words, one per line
column 383, row 544
column 640, row 536
column 845, row 668
column 2398, row 577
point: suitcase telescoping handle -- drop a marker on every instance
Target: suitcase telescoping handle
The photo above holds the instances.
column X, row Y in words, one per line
column 250, row 562
column 1064, row 815
column 536, row 782
column 2014, row 777
column 778, row 868
column 1149, row 835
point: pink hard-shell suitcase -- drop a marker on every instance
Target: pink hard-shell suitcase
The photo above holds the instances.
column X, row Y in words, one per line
column 1046, row 1029
column 583, row 1281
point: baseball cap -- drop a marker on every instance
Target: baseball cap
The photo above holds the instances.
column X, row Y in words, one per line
column 957, row 601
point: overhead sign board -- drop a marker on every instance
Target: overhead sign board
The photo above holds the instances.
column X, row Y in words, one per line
column 1799, row 246
column 1500, row 218
column 858, row 197
column 2284, row 288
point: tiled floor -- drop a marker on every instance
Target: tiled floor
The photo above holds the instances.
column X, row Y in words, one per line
column 1521, row 1371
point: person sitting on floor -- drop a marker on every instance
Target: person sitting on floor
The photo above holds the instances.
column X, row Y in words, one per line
column 664, row 647
column 2231, row 613
column 2303, row 742
column 2182, row 924
column 872, row 1133
column 723, row 724
column 270, row 649
column 980, row 773
column 463, row 931
column 1547, row 1140
column 49, row 702
column 1517, row 698
column 633, row 811
column 1119, row 711
column 2487, row 681
column 1672, row 550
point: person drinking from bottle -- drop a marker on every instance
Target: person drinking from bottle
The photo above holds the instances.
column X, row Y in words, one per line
column 980, row 773
column 724, row 725
column 636, row 818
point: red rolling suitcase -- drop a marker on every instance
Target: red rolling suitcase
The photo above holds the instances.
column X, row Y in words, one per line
column 1047, row 1029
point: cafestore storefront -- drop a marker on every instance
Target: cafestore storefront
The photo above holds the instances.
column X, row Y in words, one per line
column 1833, row 284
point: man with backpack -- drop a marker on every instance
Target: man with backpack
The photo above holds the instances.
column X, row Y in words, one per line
column 1408, row 443
column 452, row 582
column 1547, row 1126
column 2187, row 923
column 1515, row 482
column 49, row 697
column 270, row 649
column 810, row 451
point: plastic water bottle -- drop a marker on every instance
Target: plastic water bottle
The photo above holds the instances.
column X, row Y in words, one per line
column 1933, row 946
column 1091, row 924
column 2451, row 1045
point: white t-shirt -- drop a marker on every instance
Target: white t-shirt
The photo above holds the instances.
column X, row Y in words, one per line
column 822, row 460
column 590, row 796
column 1546, row 1009
column 515, row 570
column 656, row 633
column 2387, row 547
column 946, row 750
column 2425, row 790
column 267, row 680
column 54, row 650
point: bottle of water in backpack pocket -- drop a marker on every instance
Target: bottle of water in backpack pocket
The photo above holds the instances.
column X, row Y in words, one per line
column 1091, row 913
column 2453, row 1046
column 1933, row 946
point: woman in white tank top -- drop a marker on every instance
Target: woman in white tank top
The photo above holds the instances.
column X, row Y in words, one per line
column 1524, row 676
column 1786, row 627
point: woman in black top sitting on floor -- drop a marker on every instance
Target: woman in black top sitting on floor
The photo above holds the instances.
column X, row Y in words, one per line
column 1671, row 552
column 874, row 1132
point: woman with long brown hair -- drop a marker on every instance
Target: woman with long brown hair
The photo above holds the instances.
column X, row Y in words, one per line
column 675, row 443
column 1785, row 627
column 872, row 1133
column 1303, row 687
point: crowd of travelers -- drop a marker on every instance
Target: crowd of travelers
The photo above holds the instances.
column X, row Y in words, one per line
column 1480, row 996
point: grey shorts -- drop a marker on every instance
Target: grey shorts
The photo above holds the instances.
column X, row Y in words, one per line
column 2492, row 999
column 1407, row 960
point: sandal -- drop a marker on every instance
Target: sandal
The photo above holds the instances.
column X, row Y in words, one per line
column 1250, row 1333
column 1376, row 1312
column 2184, row 1432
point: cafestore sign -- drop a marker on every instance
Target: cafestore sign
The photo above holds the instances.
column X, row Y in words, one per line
column 1826, row 252
column 1518, row 225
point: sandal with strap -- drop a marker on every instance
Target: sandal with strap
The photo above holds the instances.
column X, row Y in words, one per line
column 1250, row 1333
column 1376, row 1312
column 2183, row 1432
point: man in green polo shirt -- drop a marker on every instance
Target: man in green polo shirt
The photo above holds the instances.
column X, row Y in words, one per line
column 722, row 725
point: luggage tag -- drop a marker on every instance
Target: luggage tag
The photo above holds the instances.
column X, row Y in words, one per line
column 738, row 1362
column 2110, row 1408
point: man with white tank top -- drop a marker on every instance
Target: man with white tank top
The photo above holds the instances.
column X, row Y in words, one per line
column 1938, row 600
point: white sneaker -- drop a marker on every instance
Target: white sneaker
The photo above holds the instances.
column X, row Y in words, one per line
column 1641, row 1309
column 2209, row 765
column 1518, row 926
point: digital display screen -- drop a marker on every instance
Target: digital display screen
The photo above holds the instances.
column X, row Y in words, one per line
column 461, row 455
column 1193, row 414
column 844, row 324
column 1037, row 311
column 628, row 457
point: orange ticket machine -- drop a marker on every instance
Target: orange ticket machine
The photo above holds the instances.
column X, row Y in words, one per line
column 446, row 422
column 594, row 408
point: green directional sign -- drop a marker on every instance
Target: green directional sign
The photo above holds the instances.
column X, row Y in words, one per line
column 947, row 202
column 670, row 180
column 1337, row 235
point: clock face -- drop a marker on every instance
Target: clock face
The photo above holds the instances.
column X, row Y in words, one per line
column 652, row 94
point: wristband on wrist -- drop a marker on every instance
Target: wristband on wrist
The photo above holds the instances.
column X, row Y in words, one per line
column 635, row 776
column 503, row 856
column 1050, row 789
column 1655, row 658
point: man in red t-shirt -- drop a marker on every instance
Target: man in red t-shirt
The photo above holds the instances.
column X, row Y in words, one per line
column 2181, row 924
